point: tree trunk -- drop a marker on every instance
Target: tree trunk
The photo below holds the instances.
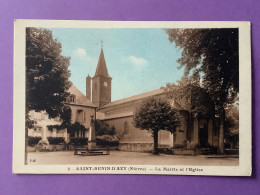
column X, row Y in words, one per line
column 26, row 146
column 155, row 145
column 221, row 133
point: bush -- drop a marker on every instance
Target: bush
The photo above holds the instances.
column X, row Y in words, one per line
column 78, row 141
column 55, row 140
column 104, row 129
column 32, row 141
column 107, row 141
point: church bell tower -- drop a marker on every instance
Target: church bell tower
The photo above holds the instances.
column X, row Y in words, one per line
column 101, row 83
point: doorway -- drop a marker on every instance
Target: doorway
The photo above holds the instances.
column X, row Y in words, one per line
column 203, row 134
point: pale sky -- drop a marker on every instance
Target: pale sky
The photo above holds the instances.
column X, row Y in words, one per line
column 138, row 60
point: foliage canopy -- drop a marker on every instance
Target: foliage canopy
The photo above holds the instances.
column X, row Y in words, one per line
column 156, row 114
column 192, row 97
column 213, row 52
column 47, row 74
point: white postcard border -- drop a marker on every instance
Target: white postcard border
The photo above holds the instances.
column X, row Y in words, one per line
column 245, row 136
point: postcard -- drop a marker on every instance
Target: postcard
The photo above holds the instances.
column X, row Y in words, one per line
column 122, row 97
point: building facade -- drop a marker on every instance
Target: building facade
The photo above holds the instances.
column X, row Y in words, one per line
column 203, row 132
column 82, row 111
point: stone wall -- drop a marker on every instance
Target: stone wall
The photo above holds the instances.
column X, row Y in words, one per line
column 130, row 134
column 133, row 138
column 136, row 147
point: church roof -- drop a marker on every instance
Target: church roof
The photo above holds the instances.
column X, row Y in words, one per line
column 176, row 104
column 135, row 97
column 102, row 116
column 81, row 99
column 101, row 66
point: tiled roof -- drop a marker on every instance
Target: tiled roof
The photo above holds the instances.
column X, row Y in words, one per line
column 81, row 99
column 176, row 104
column 135, row 97
column 102, row 116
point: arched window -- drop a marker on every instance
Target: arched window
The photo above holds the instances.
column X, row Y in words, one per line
column 126, row 127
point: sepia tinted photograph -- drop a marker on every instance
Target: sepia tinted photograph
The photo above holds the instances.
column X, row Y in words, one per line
column 94, row 97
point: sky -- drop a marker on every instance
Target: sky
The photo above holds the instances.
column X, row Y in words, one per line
column 138, row 60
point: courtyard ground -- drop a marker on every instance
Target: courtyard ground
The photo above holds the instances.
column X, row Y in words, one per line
column 128, row 158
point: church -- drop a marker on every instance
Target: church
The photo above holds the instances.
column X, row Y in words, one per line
column 119, row 114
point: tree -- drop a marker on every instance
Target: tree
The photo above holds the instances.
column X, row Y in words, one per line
column 214, row 53
column 102, row 128
column 47, row 76
column 65, row 115
column 76, row 128
column 156, row 114
column 47, row 73
column 232, row 126
column 193, row 98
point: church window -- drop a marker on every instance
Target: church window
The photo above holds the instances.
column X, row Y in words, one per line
column 85, row 116
column 125, row 127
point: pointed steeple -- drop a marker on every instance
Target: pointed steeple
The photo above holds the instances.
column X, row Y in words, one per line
column 101, row 82
column 101, row 66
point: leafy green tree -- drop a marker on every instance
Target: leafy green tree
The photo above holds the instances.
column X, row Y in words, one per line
column 232, row 125
column 214, row 53
column 193, row 98
column 65, row 115
column 156, row 114
column 47, row 76
column 47, row 73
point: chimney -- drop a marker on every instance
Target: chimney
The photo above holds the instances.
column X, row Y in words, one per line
column 88, row 87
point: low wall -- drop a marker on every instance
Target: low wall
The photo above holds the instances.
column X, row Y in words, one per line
column 136, row 147
column 58, row 147
column 71, row 147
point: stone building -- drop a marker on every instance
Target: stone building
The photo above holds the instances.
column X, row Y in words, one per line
column 119, row 113
column 82, row 111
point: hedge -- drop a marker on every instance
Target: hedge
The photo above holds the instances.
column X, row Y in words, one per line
column 32, row 141
column 106, row 143
column 55, row 140
column 78, row 141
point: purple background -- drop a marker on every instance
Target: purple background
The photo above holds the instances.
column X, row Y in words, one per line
column 153, row 10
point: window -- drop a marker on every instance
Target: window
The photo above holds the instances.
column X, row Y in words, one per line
column 72, row 98
column 80, row 116
column 125, row 127
column 38, row 129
